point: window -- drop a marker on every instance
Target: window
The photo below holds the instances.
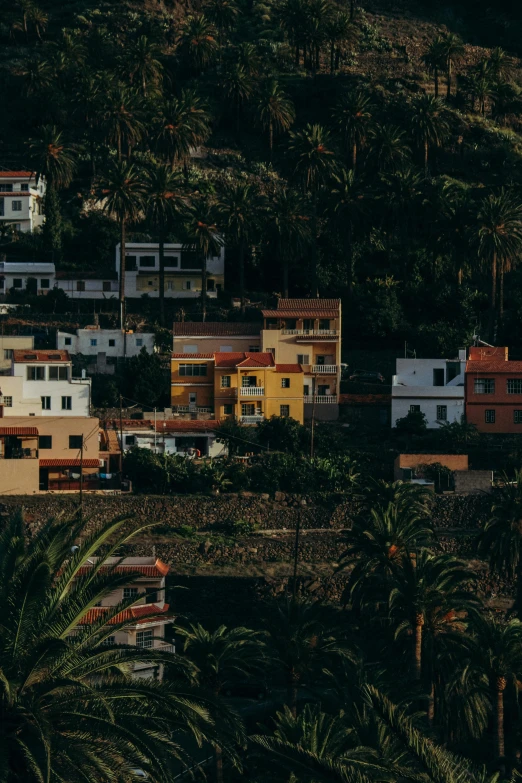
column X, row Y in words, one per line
column 139, row 342
column 144, row 639
column 36, row 373
column 484, row 386
column 66, row 403
column 193, row 369
column 514, row 386
column 16, row 206
column 58, row 373
column 225, row 349
column 489, row 417
column 225, row 381
column 24, row 186
column 80, row 285
column 148, row 261
column 2, row 208
column 2, row 281
column 324, row 323
column 285, row 383
column 109, row 641
column 438, row 377
column 442, row 412
column 190, row 349
column 67, row 341
column 253, row 349
column 130, row 440
column 6, row 188
column 17, row 282
column 46, row 403
column 172, row 261
column 112, row 343
column 452, row 370
column 308, row 324
column 45, row 442
column 8, row 353
column 303, row 358
column 8, row 402
column 130, row 263
column 94, row 342
column 517, row 417
column 130, row 592
column 44, row 283
column 150, row 282
column 248, row 409
column 271, row 350
column 414, row 408
column 187, row 285
column 190, row 260
column 75, row 441
column 248, row 380
column 284, row 411
column 228, row 410
column 106, row 285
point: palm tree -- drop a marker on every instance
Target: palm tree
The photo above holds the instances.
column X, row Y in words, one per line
column 429, row 124
column 37, row 76
column 406, row 498
column 452, row 50
column 289, row 230
column 122, row 120
column 340, row 32
column 501, row 538
column 89, row 107
column 314, row 165
column 144, row 64
column 221, row 658
column 498, row 235
column 303, row 641
column 163, row 202
column 198, row 41
column 67, row 697
column 353, row 117
column 121, row 191
column 498, row 654
column 292, row 14
column 238, row 210
column 389, row 147
column 428, row 594
column 184, row 124
column 238, row 88
column 38, row 19
column 223, row 13
column 205, row 239
column 346, row 207
column 434, row 60
column 274, row 110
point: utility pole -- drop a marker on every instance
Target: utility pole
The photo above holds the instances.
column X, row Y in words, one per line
column 314, row 389
column 155, row 409
column 296, row 553
column 81, row 480
column 121, row 433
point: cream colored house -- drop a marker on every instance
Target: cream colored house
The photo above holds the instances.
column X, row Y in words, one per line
column 216, row 337
column 10, row 343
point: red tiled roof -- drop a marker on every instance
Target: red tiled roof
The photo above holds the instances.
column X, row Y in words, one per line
column 493, row 365
column 301, row 338
column 230, row 359
column 192, row 356
column 308, row 304
column 69, row 463
column 218, row 328
column 289, row 368
column 282, row 314
column 19, row 431
column 40, row 356
column 158, row 570
column 16, row 173
column 257, row 360
column 17, row 193
column 131, row 615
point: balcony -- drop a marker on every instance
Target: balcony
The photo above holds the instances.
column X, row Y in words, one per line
column 252, row 419
column 320, row 399
column 312, row 332
column 252, row 391
column 19, row 453
column 324, row 369
column 160, row 646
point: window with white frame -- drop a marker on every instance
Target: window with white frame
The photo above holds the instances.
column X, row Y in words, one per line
column 254, row 349
column 284, row 411
column 226, row 381
column 8, row 353
column 109, row 641
column 285, row 383
column 145, row 639
column 58, row 373
column 94, row 342
column 130, row 592
column 489, row 416
column 514, row 386
column 248, row 409
column 8, row 402
column 193, row 369
column 35, row 373
column 16, row 206
column 517, row 417
column 46, row 403
column 187, row 285
column 442, row 412
column 484, row 386
column 414, row 408
column 66, row 403
column 303, row 358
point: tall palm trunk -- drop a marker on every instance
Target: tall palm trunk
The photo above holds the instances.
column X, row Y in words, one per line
column 431, row 703
column 419, row 624
column 162, row 272
column 241, row 254
column 448, row 88
column 518, row 599
column 204, row 286
column 500, row 688
column 493, row 282
column 315, row 277
column 332, row 56
column 218, row 761
column 354, row 155
column 426, row 150
column 122, row 272
column 271, row 137
column 501, row 291
column 291, row 695
column 436, row 78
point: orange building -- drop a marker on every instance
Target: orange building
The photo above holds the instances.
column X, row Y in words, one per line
column 493, row 390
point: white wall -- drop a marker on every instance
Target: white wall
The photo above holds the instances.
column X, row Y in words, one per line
column 11, row 270
column 419, row 372
column 93, row 289
column 413, row 385
column 175, row 443
column 30, row 216
column 428, row 406
column 81, row 342
column 27, row 395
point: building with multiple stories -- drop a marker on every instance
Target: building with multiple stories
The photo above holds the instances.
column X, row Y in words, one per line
column 21, row 200
column 103, row 347
column 183, row 271
column 434, row 387
column 493, row 390
column 9, row 344
column 216, row 337
column 146, row 620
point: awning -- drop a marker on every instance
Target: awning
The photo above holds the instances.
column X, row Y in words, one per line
column 69, row 463
column 33, row 431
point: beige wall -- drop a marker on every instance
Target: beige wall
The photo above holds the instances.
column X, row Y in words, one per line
column 19, row 476
column 451, row 461
column 215, row 344
column 13, row 343
column 287, row 347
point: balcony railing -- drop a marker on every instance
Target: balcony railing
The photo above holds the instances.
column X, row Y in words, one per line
column 312, row 332
column 157, row 644
column 21, row 453
column 252, row 419
column 321, row 399
column 252, row 391
column 325, row 369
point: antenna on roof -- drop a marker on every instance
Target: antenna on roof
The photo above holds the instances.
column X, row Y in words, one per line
column 477, row 340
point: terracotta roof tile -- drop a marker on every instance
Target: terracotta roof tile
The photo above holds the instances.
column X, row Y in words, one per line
column 308, row 304
column 493, row 365
column 192, row 356
column 16, row 173
column 134, row 615
column 257, row 360
column 218, row 328
column 40, row 356
column 69, row 463
column 303, row 338
column 289, row 368
column 229, row 359
column 158, row 570
column 300, row 313
column 33, row 431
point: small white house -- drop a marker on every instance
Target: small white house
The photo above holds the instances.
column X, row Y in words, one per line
column 105, row 346
column 183, row 271
column 21, row 200
column 15, row 274
column 180, row 437
column 433, row 386
column 41, row 384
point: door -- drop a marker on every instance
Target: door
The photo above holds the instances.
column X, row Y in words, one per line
column 192, row 401
column 44, row 478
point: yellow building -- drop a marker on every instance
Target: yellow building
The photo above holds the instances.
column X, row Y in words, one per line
column 247, row 386
column 308, row 332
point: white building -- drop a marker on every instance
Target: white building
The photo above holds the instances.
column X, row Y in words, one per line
column 183, row 274
column 433, row 386
column 41, row 384
column 172, row 436
column 10, row 343
column 88, row 286
column 105, row 346
column 15, row 274
column 21, row 200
